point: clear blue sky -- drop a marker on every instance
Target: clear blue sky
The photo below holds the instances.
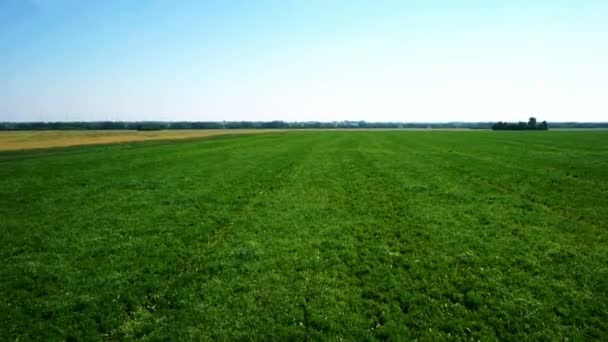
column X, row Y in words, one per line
column 303, row 60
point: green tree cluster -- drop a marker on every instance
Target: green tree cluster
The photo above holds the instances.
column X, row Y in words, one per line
column 531, row 125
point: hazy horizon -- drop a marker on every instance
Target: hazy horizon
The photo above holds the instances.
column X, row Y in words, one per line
column 380, row 61
column 320, row 121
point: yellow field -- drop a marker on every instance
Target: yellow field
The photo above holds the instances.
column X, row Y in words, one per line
column 24, row 140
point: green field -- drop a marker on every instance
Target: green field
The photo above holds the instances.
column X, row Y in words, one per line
column 309, row 236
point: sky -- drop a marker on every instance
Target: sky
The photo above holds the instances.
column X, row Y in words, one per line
column 307, row 60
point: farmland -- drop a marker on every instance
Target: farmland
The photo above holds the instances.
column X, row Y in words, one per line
column 25, row 140
column 309, row 236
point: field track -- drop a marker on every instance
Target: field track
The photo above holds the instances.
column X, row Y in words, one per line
column 309, row 236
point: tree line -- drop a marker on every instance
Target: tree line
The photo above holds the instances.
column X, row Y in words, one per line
column 160, row 125
column 531, row 125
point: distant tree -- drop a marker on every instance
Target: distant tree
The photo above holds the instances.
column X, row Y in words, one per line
column 520, row 126
column 275, row 124
column 499, row 126
column 148, row 126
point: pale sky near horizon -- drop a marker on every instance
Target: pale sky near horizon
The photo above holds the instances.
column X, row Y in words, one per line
column 323, row 60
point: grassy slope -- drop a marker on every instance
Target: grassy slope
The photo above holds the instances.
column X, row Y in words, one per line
column 309, row 235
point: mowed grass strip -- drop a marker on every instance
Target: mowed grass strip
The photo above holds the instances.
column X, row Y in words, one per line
column 309, row 235
column 27, row 140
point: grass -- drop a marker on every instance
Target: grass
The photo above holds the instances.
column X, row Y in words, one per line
column 309, row 236
column 27, row 140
